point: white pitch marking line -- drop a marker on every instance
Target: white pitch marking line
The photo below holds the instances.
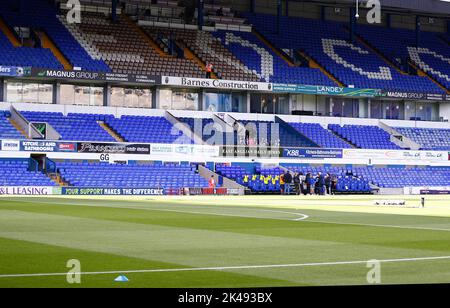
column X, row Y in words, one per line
column 293, row 213
column 223, row 268
column 376, row 225
column 302, row 216
column 242, row 216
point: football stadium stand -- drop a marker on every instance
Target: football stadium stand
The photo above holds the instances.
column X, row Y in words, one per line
column 73, row 126
column 26, row 56
column 400, row 46
column 349, row 62
column 365, row 136
column 303, row 71
column 267, row 180
column 265, row 63
column 208, row 49
column 429, row 139
column 126, row 50
column 7, row 130
column 17, row 173
column 147, row 129
column 40, row 15
column 169, row 176
column 389, row 177
column 211, row 131
column 323, row 137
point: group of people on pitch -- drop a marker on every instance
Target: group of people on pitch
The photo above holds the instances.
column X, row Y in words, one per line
column 308, row 184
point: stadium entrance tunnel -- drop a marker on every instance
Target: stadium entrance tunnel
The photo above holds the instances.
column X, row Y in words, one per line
column 41, row 163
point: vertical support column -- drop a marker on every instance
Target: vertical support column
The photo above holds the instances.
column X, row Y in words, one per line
column 2, row 88
column 388, row 21
column 5, row 90
column 56, row 99
column 114, row 10
column 200, row 11
column 352, row 24
column 200, row 100
column 330, row 107
column 279, row 8
column 107, row 95
column 252, row 6
column 248, row 102
column 418, row 25
column 155, row 97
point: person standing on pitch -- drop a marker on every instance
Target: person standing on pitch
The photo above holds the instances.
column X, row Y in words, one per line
column 282, row 183
column 212, row 182
column 328, row 183
column 308, row 183
column 297, row 183
column 287, row 183
column 320, row 184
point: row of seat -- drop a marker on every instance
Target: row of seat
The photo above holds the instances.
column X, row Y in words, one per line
column 153, row 129
column 129, row 176
column 352, row 63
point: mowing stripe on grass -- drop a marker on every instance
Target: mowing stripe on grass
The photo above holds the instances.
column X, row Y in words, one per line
column 302, row 218
column 224, row 268
column 378, row 226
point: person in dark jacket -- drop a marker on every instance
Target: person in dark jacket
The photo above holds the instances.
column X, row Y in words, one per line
column 287, row 183
column 308, row 183
column 297, row 183
column 320, row 184
column 328, row 183
column 334, row 181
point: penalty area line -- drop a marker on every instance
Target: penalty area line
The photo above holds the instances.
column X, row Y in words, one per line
column 224, row 268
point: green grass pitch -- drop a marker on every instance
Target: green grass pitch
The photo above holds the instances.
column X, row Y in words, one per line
column 263, row 241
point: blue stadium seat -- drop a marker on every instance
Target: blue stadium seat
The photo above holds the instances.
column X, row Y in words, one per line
column 168, row 176
column 15, row 173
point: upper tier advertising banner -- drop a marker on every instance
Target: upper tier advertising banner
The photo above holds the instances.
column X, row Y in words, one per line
column 312, row 153
column 245, row 151
column 437, row 156
column 415, row 96
column 217, row 84
column 94, row 76
column 37, row 146
column 10, row 145
column 14, row 71
column 184, row 149
column 47, row 146
column 113, row 148
column 325, row 90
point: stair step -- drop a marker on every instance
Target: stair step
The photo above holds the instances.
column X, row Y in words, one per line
column 48, row 43
column 16, row 126
column 110, row 131
column 343, row 139
column 9, row 34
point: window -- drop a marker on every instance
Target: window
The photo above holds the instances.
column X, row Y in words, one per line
column 178, row 100
column 22, row 92
column 129, row 97
column 81, row 95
